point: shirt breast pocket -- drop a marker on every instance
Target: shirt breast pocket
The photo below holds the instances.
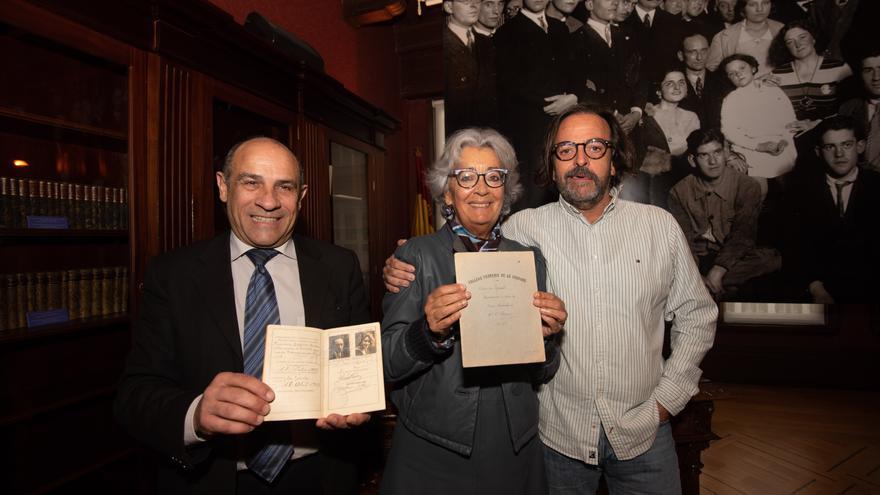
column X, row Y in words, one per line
column 645, row 272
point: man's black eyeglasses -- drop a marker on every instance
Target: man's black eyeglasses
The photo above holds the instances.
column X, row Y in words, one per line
column 594, row 149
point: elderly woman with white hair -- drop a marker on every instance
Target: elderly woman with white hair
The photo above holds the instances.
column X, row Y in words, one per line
column 463, row 431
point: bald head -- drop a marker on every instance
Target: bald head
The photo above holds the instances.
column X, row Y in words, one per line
column 261, row 141
column 262, row 186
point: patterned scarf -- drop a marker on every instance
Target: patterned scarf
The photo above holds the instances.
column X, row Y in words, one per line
column 472, row 242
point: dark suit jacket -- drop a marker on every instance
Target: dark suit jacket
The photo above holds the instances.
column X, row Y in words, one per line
column 652, row 189
column 486, row 96
column 833, row 22
column 786, row 11
column 470, row 82
column 862, row 28
column 658, row 46
column 857, row 109
column 531, row 65
column 715, row 24
column 187, row 332
column 615, row 70
column 841, row 252
column 702, row 24
column 707, row 107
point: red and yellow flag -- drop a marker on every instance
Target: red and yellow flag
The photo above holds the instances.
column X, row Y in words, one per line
column 422, row 222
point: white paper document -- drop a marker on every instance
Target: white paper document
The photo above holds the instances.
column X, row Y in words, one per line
column 317, row 372
column 500, row 324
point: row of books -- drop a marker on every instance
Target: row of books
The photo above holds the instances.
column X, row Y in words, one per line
column 83, row 293
column 84, row 206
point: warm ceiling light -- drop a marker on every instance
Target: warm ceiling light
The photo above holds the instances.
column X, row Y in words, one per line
column 20, row 163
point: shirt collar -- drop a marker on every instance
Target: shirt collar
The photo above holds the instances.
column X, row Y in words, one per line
column 238, row 248
column 724, row 187
column 535, row 17
column 598, row 26
column 850, row 177
column 483, row 30
column 692, row 77
column 460, row 32
column 767, row 35
column 642, row 12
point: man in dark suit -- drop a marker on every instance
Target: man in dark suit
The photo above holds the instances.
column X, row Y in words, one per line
column 609, row 59
column 535, row 74
column 834, row 220
column 469, row 68
column 696, row 20
column 721, row 16
column 786, row 11
column 490, row 17
column 339, row 348
column 658, row 37
column 705, row 89
column 865, row 109
column 191, row 389
column 562, row 10
column 833, row 19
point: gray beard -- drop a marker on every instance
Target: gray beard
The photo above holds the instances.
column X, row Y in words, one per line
column 582, row 201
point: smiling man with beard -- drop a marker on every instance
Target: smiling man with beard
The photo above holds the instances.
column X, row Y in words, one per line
column 627, row 269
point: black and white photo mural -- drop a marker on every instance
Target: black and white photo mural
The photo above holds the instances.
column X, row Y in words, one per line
column 755, row 123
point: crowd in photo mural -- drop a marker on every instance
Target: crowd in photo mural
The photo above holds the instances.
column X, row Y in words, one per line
column 753, row 122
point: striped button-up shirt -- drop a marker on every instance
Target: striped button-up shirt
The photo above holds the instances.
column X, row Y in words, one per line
column 621, row 277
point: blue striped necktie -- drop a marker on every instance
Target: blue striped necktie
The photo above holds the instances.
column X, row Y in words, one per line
column 261, row 309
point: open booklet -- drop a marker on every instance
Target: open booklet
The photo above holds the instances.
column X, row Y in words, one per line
column 500, row 324
column 318, row 372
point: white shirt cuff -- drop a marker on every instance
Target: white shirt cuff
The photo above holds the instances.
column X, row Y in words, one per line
column 190, row 437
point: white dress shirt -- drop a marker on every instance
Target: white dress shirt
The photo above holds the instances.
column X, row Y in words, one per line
column 642, row 13
column 621, row 277
column 848, row 180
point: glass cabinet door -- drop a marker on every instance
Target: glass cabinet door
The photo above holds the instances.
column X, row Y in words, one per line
column 348, row 188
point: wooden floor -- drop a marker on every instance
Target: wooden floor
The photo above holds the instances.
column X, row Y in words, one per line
column 793, row 441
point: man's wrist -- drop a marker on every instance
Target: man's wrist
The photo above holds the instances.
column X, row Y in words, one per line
column 191, row 435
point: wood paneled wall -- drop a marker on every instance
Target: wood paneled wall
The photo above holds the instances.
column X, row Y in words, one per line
column 175, row 167
column 312, row 152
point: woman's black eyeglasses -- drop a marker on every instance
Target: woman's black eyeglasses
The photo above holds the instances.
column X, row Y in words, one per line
column 468, row 177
